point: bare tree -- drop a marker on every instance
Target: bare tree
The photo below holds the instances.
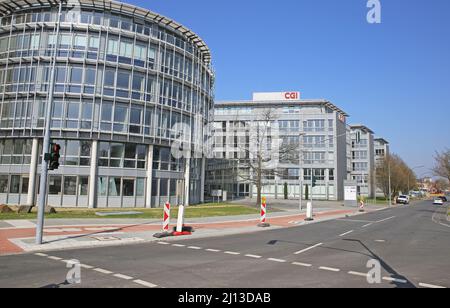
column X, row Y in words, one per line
column 402, row 177
column 262, row 150
column 442, row 164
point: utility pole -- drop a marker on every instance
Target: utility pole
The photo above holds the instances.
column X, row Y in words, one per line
column 390, row 185
column 46, row 144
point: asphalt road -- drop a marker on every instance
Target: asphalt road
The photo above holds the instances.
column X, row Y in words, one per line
column 410, row 243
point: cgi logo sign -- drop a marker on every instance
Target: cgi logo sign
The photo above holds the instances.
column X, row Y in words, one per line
column 292, row 95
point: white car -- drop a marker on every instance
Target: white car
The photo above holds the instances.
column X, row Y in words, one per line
column 402, row 199
column 438, row 201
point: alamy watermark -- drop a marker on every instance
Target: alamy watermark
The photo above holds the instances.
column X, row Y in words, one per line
column 374, row 14
column 74, row 274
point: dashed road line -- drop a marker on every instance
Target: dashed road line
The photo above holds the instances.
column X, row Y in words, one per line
column 330, row 269
column 368, row 225
column 253, row 256
column 301, row 264
column 358, row 274
column 430, row 286
column 145, row 283
column 163, row 243
column 232, row 253
column 54, row 258
column 213, row 250
column 125, row 277
column 85, row 266
column 309, row 248
column 41, row 254
column 390, row 279
column 103, row 271
column 277, row 260
column 194, row 248
column 346, row 233
column 178, row 245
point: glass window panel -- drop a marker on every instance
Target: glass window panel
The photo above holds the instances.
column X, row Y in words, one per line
column 117, row 150
column 25, row 182
column 72, row 147
column 113, row 47
column 140, row 187
column 73, row 110
column 141, row 151
column 70, row 185
column 123, row 80
column 102, row 186
column 4, row 184
column 89, row 77
column 120, row 114
column 106, row 112
column 83, row 185
column 128, row 187
column 76, row 75
column 80, row 42
column 130, row 150
column 60, row 74
column 54, row 185
column 110, row 78
column 94, row 43
column 114, row 187
column 66, row 40
column 15, row 184
column 135, row 116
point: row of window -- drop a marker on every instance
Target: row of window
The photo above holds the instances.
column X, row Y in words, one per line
column 15, row 151
column 102, row 19
column 109, row 82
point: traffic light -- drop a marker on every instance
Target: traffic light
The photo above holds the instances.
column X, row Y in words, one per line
column 53, row 157
column 314, row 181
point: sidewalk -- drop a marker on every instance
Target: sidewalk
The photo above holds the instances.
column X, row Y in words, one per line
column 84, row 233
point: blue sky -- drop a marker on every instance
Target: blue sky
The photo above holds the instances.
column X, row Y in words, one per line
column 393, row 77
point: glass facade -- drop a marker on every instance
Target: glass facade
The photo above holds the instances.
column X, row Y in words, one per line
column 124, row 80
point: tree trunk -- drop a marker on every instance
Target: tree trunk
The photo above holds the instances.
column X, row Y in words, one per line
column 258, row 197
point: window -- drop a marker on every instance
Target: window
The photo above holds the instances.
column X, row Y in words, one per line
column 140, row 187
column 25, row 182
column 110, row 77
column 113, row 47
column 123, row 80
column 140, row 52
column 70, row 185
column 120, row 118
column 14, row 188
column 94, row 43
column 114, row 187
column 126, row 49
column 128, row 188
column 66, row 41
column 80, row 42
column 83, row 185
column 54, row 185
column 60, row 74
column 135, row 120
column 89, row 77
column 76, row 75
column 3, row 184
column 102, row 186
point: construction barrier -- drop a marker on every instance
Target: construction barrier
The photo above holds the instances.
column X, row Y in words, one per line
column 166, row 218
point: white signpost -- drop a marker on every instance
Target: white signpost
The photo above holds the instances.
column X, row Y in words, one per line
column 351, row 194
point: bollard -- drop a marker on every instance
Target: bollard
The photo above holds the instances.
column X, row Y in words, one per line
column 166, row 218
column 361, row 207
column 181, row 229
column 309, row 212
column 263, row 223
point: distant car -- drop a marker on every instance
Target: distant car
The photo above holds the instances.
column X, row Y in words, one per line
column 438, row 201
column 443, row 198
column 402, row 199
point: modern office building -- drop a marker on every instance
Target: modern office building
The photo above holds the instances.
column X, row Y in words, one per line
column 381, row 147
column 316, row 130
column 124, row 77
column 363, row 159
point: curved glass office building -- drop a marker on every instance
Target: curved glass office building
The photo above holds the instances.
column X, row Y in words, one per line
column 129, row 85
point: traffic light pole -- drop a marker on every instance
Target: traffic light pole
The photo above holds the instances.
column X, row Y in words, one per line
column 46, row 144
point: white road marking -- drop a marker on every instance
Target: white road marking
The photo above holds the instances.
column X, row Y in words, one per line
column 86, row 266
column 358, row 274
column 380, row 241
column 386, row 219
column 145, row 283
column 346, row 233
column 301, row 264
column 276, row 260
column 21, row 224
column 194, row 247
column 309, row 248
column 163, row 243
column 103, row 271
column 330, row 269
column 123, row 276
column 253, row 256
column 368, row 225
column 55, row 258
column 178, row 245
column 213, row 250
column 41, row 254
column 232, row 253
column 394, row 280
column 430, row 286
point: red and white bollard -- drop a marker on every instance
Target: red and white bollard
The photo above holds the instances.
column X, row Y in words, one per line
column 361, row 206
column 166, row 218
column 263, row 223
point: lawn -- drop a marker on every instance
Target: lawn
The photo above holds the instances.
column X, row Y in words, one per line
column 204, row 210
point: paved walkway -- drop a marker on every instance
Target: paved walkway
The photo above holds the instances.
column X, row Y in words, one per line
column 80, row 233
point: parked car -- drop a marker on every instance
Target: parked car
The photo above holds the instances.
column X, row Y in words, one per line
column 402, row 199
column 438, row 201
